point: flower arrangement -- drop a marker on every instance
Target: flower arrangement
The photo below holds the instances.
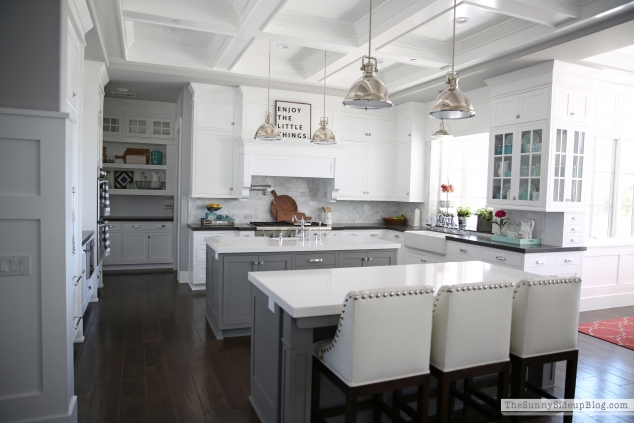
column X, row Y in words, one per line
column 500, row 215
column 485, row 214
column 446, row 188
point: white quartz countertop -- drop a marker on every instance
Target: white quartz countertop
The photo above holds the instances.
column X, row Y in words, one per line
column 230, row 245
column 311, row 293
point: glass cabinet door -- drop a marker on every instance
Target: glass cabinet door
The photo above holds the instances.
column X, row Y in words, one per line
column 530, row 172
column 576, row 180
column 502, row 166
column 559, row 173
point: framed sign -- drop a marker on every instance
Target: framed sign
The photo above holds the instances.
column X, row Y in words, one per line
column 293, row 119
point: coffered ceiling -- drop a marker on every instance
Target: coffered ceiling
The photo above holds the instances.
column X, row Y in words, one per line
column 226, row 41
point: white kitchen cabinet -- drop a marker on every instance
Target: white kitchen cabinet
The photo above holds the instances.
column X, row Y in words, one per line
column 363, row 128
column 73, row 61
column 199, row 253
column 566, row 168
column 409, row 171
column 112, row 125
column 160, row 247
column 354, row 157
column 368, row 170
column 571, row 106
column 214, row 116
column 212, row 172
column 519, row 108
column 135, row 247
column 380, row 170
column 404, row 130
column 137, row 126
column 161, row 128
column 116, row 249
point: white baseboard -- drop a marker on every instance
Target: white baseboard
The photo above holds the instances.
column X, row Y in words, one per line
column 607, row 301
column 197, row 287
column 183, row 276
column 71, row 417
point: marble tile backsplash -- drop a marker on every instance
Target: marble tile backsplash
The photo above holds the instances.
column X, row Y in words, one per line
column 305, row 192
column 516, row 216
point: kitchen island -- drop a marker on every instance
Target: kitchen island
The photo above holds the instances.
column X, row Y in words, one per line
column 230, row 260
column 293, row 310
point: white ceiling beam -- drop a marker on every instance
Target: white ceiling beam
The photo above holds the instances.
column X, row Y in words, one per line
column 562, row 7
column 310, row 27
column 517, row 10
column 498, row 32
column 313, row 67
column 407, row 76
column 128, row 29
column 196, row 20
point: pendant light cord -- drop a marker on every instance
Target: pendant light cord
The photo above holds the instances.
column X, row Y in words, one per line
column 325, row 83
column 370, row 33
column 268, row 84
column 453, row 45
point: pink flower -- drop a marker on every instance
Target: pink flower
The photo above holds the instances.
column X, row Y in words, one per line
column 500, row 214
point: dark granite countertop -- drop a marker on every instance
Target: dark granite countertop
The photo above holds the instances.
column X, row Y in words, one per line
column 353, row 226
column 85, row 236
column 139, row 218
column 239, row 227
column 527, row 249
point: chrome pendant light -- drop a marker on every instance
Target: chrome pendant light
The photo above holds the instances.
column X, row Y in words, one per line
column 452, row 103
column 323, row 135
column 443, row 132
column 267, row 131
column 368, row 92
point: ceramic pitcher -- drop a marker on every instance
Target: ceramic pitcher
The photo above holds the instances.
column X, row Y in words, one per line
column 502, row 167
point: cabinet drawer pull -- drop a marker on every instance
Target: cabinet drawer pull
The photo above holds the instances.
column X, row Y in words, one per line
column 77, row 325
column 423, row 260
column 89, row 288
column 136, row 226
column 464, row 250
column 397, row 236
column 353, row 234
column 110, row 226
column 369, row 258
column 255, row 263
column 540, row 262
column 78, row 279
column 568, row 260
column 74, row 94
column 214, row 236
column 375, row 235
column 160, row 226
column 518, row 116
column 501, row 258
column 246, row 235
column 261, row 263
column 573, row 229
column 572, row 113
column 573, row 218
column 335, row 234
column 573, row 239
column 317, row 260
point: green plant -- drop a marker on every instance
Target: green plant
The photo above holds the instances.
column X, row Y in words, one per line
column 446, row 213
column 463, row 212
column 485, row 213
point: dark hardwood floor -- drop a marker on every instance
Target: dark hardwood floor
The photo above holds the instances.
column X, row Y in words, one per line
column 149, row 356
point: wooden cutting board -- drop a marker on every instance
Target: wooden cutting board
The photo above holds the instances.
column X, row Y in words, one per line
column 282, row 203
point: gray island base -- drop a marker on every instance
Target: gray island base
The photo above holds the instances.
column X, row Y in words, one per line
column 293, row 310
column 230, row 260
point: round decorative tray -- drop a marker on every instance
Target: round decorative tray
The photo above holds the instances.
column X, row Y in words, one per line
column 390, row 221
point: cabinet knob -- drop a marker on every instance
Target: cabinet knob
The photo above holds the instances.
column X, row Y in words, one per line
column 232, row 123
column 573, row 218
column 374, row 235
column 370, row 134
column 567, row 260
column 514, row 198
column 230, row 188
column 397, row 236
column 407, row 193
column 540, row 262
column 518, row 116
column 74, row 94
column 572, row 113
column 149, row 236
column 136, row 226
column 160, row 226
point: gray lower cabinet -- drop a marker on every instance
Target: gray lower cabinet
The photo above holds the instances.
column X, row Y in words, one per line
column 367, row 259
column 229, row 297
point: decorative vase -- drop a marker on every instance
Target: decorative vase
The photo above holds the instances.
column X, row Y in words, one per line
column 462, row 222
column 484, row 225
column 496, row 230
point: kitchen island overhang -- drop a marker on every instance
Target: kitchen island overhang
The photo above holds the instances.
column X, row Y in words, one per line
column 230, row 260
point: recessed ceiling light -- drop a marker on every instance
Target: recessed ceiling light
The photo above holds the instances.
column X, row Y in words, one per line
column 176, row 21
column 123, row 90
column 283, row 46
column 462, row 20
column 171, row 30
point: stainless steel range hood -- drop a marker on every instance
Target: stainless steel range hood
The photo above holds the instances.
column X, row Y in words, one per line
column 287, row 158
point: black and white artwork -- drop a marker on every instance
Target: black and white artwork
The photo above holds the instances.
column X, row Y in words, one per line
column 293, row 120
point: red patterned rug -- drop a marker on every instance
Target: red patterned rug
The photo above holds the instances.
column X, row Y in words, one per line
column 616, row 331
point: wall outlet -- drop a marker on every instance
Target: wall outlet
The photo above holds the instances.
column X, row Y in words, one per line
column 15, row 265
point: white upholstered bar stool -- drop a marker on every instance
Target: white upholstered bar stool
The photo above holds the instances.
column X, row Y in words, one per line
column 382, row 343
column 544, row 330
column 470, row 337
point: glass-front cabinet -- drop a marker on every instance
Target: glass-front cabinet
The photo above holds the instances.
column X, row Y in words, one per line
column 515, row 170
column 567, row 168
column 534, row 167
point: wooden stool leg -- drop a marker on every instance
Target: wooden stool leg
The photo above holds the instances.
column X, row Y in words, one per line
column 503, row 390
column 467, row 394
column 518, row 381
column 442, row 408
column 396, row 405
column 351, row 407
column 571, row 383
column 314, row 394
column 452, row 399
column 378, row 412
column 422, row 403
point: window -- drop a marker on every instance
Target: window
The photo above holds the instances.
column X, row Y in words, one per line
column 611, row 180
column 465, row 163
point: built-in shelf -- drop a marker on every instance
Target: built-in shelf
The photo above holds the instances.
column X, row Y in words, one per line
column 131, row 140
column 133, row 166
column 163, row 192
